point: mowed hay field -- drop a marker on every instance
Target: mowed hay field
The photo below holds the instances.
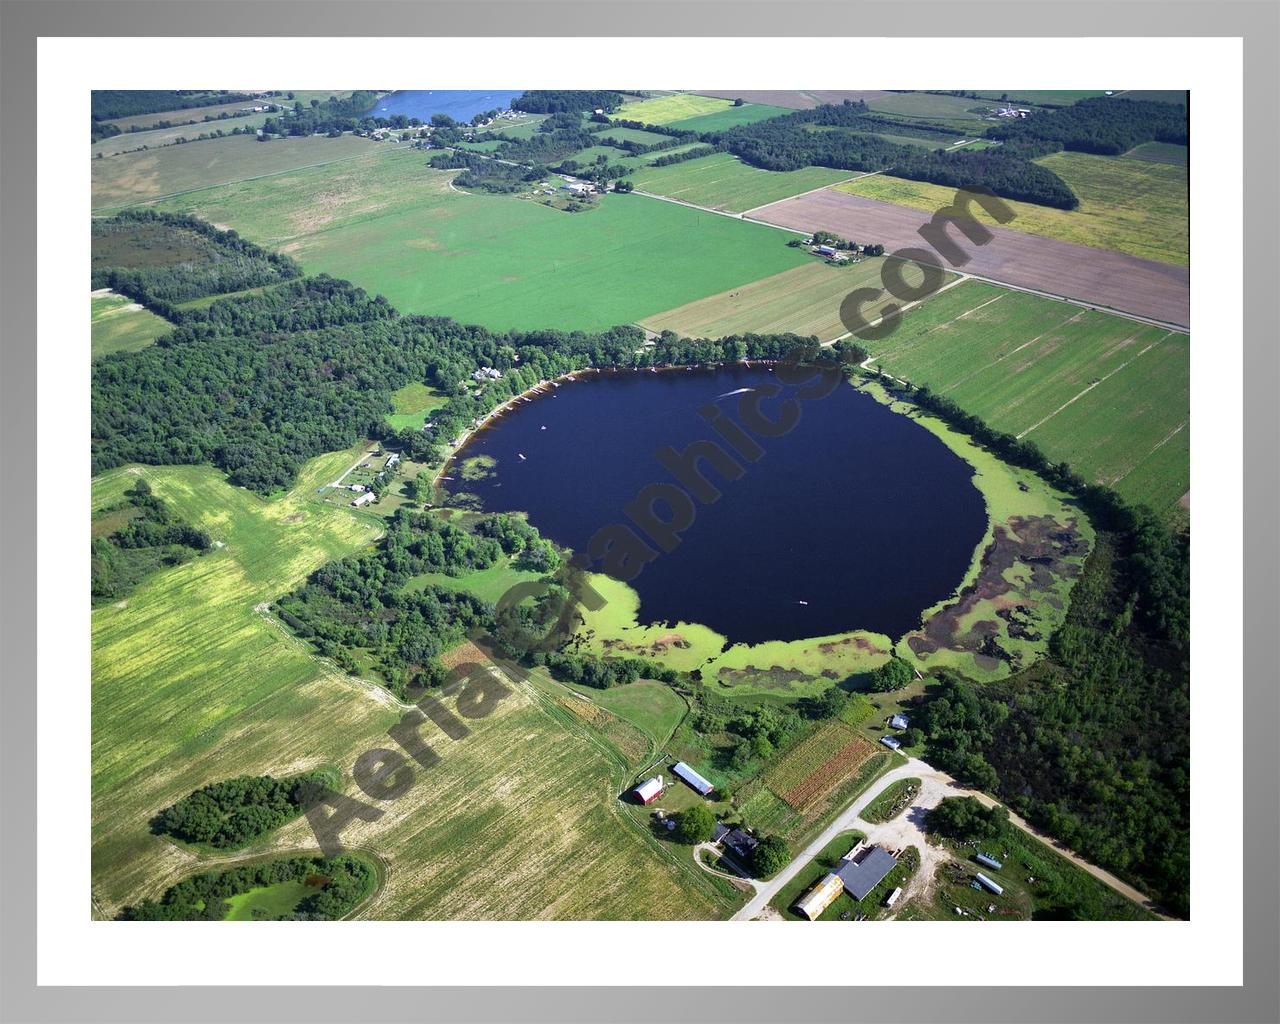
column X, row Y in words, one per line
column 1106, row 394
column 118, row 324
column 1137, row 207
column 397, row 228
column 193, row 683
column 805, row 301
column 666, row 109
column 139, row 177
column 723, row 182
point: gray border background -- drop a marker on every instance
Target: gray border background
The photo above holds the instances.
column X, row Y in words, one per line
column 1256, row 21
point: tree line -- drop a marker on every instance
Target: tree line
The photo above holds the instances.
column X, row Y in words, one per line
column 111, row 104
column 235, row 812
column 1102, row 124
column 555, row 101
column 787, row 143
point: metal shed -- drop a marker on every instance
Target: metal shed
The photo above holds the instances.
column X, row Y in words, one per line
column 683, row 771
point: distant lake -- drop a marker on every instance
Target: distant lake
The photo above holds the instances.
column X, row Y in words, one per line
column 858, row 518
column 459, row 104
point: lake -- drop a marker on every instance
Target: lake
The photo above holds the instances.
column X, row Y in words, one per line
column 858, row 518
column 460, row 104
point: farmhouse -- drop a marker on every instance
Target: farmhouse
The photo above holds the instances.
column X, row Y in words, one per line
column 696, row 781
column 649, row 790
column 740, row 843
column 392, row 459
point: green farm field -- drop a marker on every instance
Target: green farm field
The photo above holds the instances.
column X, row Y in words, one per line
column 1160, row 153
column 1101, row 392
column 1132, row 206
column 194, row 682
column 158, row 137
column 723, row 182
column 120, row 325
column 140, row 177
column 676, row 107
column 644, row 138
column 805, row 301
column 395, row 227
column 723, row 120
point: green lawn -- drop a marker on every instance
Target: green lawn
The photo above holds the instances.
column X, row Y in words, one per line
column 1108, row 395
column 393, row 226
column 120, row 325
column 723, row 182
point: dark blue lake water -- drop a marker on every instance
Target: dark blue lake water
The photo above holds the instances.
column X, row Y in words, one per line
column 460, row 104
column 858, row 518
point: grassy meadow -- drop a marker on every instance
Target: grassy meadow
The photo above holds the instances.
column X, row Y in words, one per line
column 152, row 174
column 118, row 324
column 413, row 404
column 392, row 225
column 1137, row 207
column 1101, row 392
column 192, row 683
column 723, row 182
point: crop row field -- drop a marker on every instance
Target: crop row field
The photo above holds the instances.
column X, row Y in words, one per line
column 804, row 301
column 1108, row 395
column 1113, row 280
column 1135, row 206
column 118, row 324
column 397, row 228
column 723, row 182
column 193, row 682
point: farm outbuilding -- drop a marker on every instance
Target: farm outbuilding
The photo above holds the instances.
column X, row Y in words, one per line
column 890, row 742
column 898, row 722
column 364, row 499
column 821, row 896
column 696, row 781
column 988, row 861
column 649, row 790
column 864, row 874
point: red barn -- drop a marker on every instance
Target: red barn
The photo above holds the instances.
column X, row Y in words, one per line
column 648, row 792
